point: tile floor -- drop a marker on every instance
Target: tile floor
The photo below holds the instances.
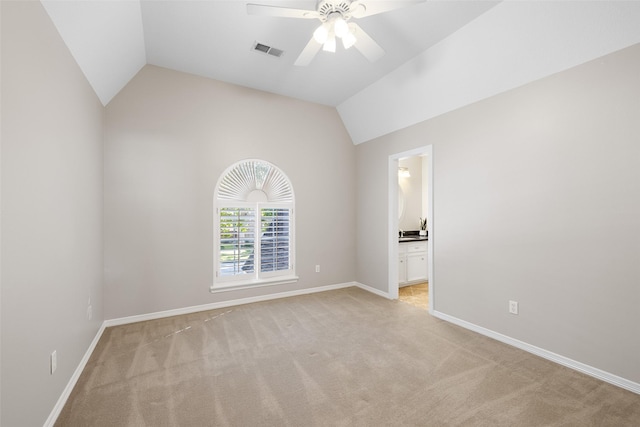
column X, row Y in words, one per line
column 417, row 295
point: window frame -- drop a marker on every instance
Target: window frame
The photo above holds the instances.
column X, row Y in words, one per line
column 256, row 278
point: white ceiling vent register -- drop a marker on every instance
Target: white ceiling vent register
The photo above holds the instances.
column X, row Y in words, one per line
column 259, row 47
column 255, row 181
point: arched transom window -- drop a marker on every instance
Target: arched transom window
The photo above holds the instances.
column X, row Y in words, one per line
column 254, row 226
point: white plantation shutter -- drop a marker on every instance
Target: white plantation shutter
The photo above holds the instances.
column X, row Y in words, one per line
column 254, row 224
column 237, row 238
column 275, row 244
column 246, row 177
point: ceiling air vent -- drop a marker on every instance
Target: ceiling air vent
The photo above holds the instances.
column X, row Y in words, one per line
column 259, row 47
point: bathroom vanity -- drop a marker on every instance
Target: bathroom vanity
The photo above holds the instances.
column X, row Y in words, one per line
column 412, row 261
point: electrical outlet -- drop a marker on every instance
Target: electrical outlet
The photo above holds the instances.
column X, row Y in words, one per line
column 318, row 268
column 513, row 307
column 54, row 361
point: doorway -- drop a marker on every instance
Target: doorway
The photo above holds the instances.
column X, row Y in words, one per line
column 394, row 204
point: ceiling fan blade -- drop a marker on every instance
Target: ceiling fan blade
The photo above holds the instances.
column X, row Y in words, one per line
column 365, row 44
column 280, row 12
column 361, row 9
column 308, row 53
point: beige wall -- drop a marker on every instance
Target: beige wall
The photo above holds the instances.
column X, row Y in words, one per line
column 536, row 199
column 52, row 213
column 170, row 136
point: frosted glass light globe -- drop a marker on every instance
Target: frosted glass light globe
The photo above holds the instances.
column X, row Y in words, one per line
column 320, row 34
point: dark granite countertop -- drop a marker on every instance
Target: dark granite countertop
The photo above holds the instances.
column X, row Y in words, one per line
column 406, row 239
column 412, row 236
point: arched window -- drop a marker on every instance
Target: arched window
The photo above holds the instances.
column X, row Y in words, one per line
column 254, row 226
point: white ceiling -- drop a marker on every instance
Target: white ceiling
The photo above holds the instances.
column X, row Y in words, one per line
column 112, row 39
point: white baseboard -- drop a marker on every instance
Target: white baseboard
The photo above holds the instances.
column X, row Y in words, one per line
column 223, row 304
column 53, row 416
column 372, row 290
column 562, row 360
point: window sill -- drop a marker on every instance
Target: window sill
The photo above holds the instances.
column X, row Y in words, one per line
column 250, row 284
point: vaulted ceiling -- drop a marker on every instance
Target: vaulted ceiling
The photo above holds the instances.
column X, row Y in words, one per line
column 111, row 40
column 439, row 54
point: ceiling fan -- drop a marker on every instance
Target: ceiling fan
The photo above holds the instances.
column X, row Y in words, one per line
column 335, row 16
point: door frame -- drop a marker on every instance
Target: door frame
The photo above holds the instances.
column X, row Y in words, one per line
column 393, row 222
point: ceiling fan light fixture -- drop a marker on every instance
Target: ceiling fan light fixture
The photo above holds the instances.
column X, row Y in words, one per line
column 340, row 27
column 330, row 44
column 335, row 16
column 321, row 34
column 348, row 40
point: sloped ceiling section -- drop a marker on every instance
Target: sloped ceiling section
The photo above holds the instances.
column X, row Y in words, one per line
column 112, row 39
column 441, row 54
column 512, row 44
column 107, row 41
column 215, row 38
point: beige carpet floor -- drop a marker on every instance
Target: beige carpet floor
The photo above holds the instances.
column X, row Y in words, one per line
column 338, row 358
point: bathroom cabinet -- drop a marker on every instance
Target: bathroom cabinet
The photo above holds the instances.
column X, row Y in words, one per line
column 412, row 262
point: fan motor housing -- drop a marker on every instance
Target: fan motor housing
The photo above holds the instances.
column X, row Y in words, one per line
column 327, row 7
